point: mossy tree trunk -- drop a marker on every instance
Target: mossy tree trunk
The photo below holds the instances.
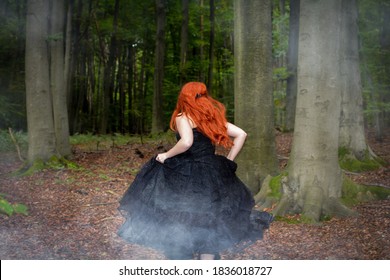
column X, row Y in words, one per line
column 253, row 90
column 314, row 180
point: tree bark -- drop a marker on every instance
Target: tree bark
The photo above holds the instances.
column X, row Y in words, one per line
column 201, row 47
column 158, row 114
column 352, row 136
column 254, row 110
column 109, row 76
column 292, row 63
column 184, row 41
column 57, row 77
column 40, row 125
column 211, row 47
column 385, row 77
column 314, row 176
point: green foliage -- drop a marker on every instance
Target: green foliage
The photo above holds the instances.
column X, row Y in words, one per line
column 375, row 58
column 134, row 60
column 280, row 74
column 93, row 142
column 9, row 209
column 279, row 32
column 11, row 110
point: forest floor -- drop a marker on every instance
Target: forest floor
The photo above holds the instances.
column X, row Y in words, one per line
column 73, row 212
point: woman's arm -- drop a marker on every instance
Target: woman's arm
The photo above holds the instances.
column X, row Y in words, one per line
column 239, row 136
column 184, row 128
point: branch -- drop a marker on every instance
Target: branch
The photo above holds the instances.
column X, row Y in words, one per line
column 376, row 185
column 16, row 144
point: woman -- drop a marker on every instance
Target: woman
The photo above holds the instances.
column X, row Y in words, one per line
column 189, row 200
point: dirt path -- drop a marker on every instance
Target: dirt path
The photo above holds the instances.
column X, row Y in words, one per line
column 73, row 214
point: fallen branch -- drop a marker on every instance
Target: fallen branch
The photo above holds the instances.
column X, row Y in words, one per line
column 104, row 219
column 350, row 172
column 15, row 143
column 376, row 185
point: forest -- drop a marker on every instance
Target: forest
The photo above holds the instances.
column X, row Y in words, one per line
column 87, row 89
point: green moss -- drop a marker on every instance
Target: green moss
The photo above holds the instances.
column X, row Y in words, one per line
column 53, row 163
column 28, row 170
column 289, row 220
column 353, row 193
column 300, row 219
column 275, row 185
column 57, row 163
column 349, row 162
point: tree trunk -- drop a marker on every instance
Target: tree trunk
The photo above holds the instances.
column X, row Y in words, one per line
column 314, row 176
column 352, row 136
column 292, row 63
column 211, row 47
column 158, row 114
column 254, row 110
column 41, row 135
column 69, row 61
column 57, row 77
column 184, row 41
column 201, row 47
column 109, row 75
column 385, row 77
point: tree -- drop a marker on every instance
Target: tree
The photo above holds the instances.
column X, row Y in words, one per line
column 109, row 75
column 184, row 40
column 352, row 135
column 40, row 124
column 374, row 34
column 292, row 61
column 158, row 114
column 47, row 119
column 211, row 47
column 314, row 176
column 58, row 77
column 253, row 90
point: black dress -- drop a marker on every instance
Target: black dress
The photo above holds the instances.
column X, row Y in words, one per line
column 193, row 203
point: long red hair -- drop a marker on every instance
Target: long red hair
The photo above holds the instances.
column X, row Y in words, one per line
column 207, row 113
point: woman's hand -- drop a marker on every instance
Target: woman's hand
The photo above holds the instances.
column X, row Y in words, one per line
column 161, row 157
column 186, row 139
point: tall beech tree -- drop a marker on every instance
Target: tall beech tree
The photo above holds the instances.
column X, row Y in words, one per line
column 47, row 120
column 58, row 76
column 40, row 124
column 253, row 90
column 352, row 132
column 314, row 179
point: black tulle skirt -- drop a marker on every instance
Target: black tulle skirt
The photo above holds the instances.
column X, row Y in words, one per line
column 192, row 204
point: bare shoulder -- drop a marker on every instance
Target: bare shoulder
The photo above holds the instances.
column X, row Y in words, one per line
column 184, row 119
